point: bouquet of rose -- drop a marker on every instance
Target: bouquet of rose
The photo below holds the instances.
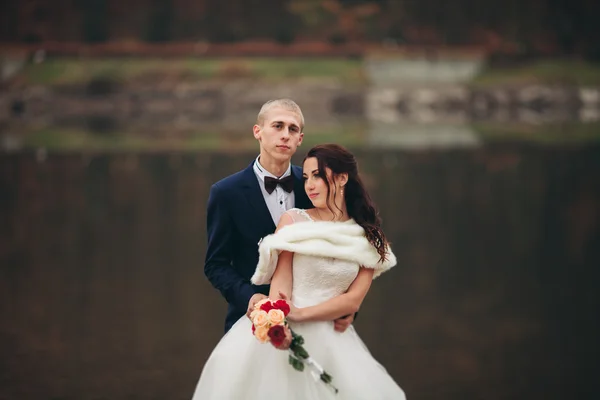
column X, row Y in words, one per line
column 269, row 324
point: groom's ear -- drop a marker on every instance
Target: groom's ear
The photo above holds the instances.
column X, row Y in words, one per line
column 256, row 131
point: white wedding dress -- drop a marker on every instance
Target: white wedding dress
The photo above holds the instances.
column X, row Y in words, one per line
column 240, row 367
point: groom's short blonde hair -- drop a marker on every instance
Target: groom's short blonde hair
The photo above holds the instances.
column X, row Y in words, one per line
column 286, row 104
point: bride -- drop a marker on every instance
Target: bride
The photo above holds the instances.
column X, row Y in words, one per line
column 323, row 260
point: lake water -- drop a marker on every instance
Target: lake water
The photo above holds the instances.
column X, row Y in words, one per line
column 495, row 296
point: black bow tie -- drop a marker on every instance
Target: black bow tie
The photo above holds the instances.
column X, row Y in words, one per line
column 286, row 183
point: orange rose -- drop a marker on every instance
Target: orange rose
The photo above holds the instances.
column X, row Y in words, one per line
column 260, row 318
column 276, row 316
column 260, row 303
column 262, row 333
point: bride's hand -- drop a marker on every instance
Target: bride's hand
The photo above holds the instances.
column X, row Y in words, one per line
column 295, row 314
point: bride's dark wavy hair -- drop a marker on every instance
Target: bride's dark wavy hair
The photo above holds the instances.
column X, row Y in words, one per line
column 358, row 202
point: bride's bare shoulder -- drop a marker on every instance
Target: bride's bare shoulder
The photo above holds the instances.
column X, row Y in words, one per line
column 285, row 220
column 292, row 216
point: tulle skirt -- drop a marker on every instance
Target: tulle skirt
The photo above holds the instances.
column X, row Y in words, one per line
column 240, row 367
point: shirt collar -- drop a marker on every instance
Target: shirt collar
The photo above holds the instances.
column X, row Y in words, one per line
column 261, row 172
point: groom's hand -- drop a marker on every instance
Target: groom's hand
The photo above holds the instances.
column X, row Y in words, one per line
column 256, row 297
column 341, row 324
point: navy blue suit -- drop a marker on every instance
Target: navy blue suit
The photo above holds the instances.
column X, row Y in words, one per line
column 237, row 218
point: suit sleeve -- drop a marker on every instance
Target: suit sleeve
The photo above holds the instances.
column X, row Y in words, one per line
column 218, row 266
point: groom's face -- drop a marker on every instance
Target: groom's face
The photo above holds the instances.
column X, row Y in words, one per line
column 280, row 134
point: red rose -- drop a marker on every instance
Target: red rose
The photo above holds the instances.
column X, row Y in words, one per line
column 277, row 335
column 267, row 306
column 283, row 306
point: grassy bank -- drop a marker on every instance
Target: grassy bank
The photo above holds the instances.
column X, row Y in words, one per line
column 74, row 70
column 352, row 136
column 70, row 139
column 69, row 70
column 561, row 72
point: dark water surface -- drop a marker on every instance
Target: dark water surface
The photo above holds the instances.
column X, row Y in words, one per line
column 496, row 295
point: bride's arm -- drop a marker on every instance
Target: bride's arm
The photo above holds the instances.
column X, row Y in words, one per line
column 282, row 277
column 344, row 304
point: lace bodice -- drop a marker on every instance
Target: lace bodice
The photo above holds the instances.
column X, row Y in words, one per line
column 317, row 279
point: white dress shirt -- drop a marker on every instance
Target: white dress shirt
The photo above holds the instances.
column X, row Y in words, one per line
column 279, row 201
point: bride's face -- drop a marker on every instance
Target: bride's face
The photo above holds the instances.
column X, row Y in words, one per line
column 314, row 183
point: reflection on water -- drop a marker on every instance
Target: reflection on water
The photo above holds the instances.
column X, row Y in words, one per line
column 102, row 292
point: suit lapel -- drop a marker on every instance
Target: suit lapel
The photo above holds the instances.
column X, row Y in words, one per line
column 253, row 194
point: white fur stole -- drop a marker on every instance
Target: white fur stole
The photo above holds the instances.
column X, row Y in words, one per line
column 343, row 240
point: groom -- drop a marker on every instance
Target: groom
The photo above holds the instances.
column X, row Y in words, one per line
column 246, row 206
